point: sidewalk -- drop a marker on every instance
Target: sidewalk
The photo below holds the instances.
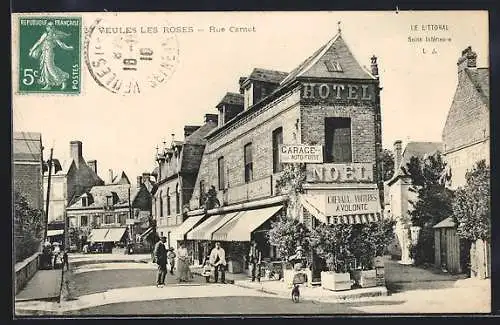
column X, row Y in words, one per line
column 78, row 259
column 45, row 285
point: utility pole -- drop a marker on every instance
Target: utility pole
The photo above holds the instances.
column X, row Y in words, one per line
column 46, row 221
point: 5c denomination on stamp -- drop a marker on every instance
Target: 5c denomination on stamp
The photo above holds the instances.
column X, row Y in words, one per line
column 49, row 54
column 127, row 56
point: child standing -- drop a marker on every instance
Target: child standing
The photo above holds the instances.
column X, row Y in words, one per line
column 207, row 269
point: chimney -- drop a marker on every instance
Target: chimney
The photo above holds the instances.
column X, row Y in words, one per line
column 110, row 180
column 211, row 118
column 374, row 66
column 189, row 129
column 242, row 79
column 76, row 152
column 139, row 181
column 467, row 60
column 93, row 165
column 397, row 155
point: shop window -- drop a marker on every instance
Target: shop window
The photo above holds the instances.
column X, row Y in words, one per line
column 168, row 202
column 177, row 200
column 220, row 168
column 84, row 221
column 277, row 141
column 338, row 140
column 248, row 162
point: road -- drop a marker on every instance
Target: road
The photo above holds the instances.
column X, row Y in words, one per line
column 218, row 305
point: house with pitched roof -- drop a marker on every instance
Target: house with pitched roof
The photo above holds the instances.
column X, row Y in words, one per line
column 178, row 165
column 27, row 169
column 328, row 100
column 466, row 133
column 399, row 194
column 76, row 176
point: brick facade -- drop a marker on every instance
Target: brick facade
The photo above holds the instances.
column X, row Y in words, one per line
column 28, row 181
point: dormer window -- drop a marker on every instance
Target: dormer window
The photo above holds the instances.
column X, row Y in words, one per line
column 85, row 201
column 333, row 66
column 109, row 200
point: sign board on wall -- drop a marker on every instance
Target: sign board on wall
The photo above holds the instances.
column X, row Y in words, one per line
column 338, row 91
column 342, row 202
column 340, row 173
column 299, row 153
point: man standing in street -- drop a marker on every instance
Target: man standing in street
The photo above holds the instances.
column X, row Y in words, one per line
column 218, row 260
column 255, row 257
column 160, row 256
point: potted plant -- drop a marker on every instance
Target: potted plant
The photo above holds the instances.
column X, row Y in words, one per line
column 331, row 243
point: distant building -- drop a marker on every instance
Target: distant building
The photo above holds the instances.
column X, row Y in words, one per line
column 27, row 171
column 178, row 166
column 466, row 133
column 399, row 194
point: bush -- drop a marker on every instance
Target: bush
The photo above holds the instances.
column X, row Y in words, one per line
column 28, row 228
column 286, row 234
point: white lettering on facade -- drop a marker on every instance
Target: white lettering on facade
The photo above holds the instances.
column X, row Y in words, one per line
column 336, row 91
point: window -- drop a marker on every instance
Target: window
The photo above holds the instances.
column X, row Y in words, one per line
column 248, row 162
column 338, row 140
column 177, row 200
column 85, row 201
column 220, row 168
column 333, row 66
column 123, row 219
column 109, row 218
column 109, row 200
column 277, row 141
column 161, row 204
column 84, row 221
column 97, row 220
column 168, row 202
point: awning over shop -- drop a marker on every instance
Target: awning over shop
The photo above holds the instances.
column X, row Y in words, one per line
column 98, row 235
column 205, row 230
column 241, row 227
column 115, row 234
column 185, row 227
column 355, row 218
column 52, row 233
column 103, row 235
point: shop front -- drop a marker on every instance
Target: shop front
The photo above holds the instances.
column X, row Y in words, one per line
column 105, row 240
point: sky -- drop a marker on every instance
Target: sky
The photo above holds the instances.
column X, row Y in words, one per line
column 122, row 132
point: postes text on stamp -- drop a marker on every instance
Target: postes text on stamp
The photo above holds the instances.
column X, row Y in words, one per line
column 129, row 56
column 49, row 54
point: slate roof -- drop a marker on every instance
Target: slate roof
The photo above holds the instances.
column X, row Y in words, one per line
column 27, row 146
column 266, row 75
column 480, row 77
column 121, row 178
column 231, row 99
column 337, row 50
column 198, row 136
column 99, row 194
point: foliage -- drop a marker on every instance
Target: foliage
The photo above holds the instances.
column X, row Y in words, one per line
column 28, row 230
column 331, row 242
column 286, row 234
column 291, row 179
column 471, row 206
column 433, row 204
column 211, row 200
column 387, row 162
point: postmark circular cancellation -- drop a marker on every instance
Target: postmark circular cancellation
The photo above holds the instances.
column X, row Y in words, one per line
column 129, row 56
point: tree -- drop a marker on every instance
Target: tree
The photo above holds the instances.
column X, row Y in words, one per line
column 471, row 205
column 433, row 203
column 387, row 162
column 332, row 243
column 286, row 234
column 29, row 227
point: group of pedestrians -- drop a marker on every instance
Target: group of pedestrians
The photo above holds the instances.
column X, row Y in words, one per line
column 165, row 259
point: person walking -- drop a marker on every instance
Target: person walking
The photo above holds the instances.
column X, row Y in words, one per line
column 183, row 264
column 255, row 259
column 218, row 260
column 160, row 258
column 171, row 259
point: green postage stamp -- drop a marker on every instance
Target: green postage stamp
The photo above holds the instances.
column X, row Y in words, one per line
column 49, row 55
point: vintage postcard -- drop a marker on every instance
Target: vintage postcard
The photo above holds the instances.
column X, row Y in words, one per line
column 251, row 163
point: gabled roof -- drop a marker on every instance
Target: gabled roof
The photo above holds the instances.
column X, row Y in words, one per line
column 266, row 75
column 446, row 223
column 99, row 195
column 480, row 77
column 418, row 150
column 231, row 99
column 121, row 178
column 27, row 146
column 335, row 50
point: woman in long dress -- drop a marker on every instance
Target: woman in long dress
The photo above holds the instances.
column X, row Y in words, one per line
column 43, row 50
column 183, row 263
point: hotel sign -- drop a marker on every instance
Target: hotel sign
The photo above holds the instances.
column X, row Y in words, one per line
column 340, row 173
column 299, row 153
column 338, row 91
